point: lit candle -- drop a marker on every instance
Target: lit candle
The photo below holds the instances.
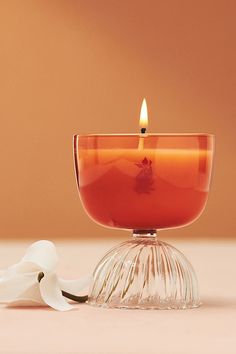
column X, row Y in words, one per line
column 144, row 181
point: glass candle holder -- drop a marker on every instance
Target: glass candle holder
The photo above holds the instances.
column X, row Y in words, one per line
column 144, row 183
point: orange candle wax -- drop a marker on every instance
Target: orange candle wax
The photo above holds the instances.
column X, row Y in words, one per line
column 145, row 188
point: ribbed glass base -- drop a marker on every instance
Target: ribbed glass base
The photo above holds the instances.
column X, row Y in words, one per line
column 144, row 273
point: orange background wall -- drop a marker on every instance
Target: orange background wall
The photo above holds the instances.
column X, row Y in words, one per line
column 83, row 67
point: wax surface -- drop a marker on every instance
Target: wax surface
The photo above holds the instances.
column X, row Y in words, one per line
column 144, row 188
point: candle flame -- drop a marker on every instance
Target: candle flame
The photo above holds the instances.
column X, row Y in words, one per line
column 143, row 121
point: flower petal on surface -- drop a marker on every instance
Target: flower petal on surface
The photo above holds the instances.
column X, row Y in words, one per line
column 14, row 286
column 32, row 295
column 26, row 303
column 51, row 293
column 42, row 253
column 22, row 267
column 75, row 285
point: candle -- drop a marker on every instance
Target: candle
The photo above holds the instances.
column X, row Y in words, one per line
column 144, row 182
column 153, row 181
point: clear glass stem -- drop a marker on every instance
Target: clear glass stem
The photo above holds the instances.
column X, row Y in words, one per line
column 144, row 234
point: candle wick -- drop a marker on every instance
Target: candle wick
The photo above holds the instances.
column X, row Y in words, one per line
column 143, row 130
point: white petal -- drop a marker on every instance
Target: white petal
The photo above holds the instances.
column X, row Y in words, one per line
column 51, row 293
column 22, row 267
column 13, row 286
column 31, row 294
column 75, row 285
column 12, row 270
column 25, row 303
column 42, row 253
column 31, row 297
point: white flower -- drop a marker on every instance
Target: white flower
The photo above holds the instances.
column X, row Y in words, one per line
column 20, row 285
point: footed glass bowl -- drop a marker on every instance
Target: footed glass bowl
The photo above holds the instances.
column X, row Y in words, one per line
column 144, row 183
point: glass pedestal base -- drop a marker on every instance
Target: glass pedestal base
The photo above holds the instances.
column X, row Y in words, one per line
column 144, row 273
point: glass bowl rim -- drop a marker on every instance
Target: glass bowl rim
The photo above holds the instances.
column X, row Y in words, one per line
column 121, row 135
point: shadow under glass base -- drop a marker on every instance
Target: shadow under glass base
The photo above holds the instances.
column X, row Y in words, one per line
column 144, row 273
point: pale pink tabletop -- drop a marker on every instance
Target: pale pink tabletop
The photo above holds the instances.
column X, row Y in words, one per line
column 209, row 329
